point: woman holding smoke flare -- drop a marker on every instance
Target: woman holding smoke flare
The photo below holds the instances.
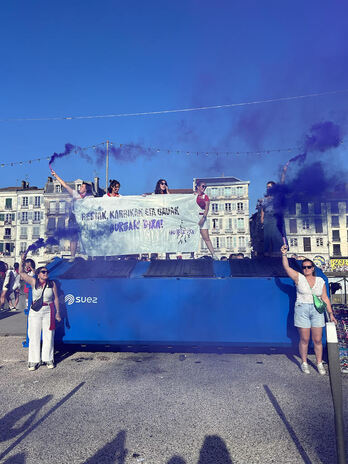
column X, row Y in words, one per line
column 307, row 318
column 203, row 202
column 85, row 190
column 42, row 319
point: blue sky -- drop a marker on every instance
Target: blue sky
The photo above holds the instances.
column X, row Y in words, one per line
column 83, row 58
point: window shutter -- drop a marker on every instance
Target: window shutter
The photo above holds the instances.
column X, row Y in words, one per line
column 30, row 215
column 31, row 200
column 220, row 223
column 42, row 214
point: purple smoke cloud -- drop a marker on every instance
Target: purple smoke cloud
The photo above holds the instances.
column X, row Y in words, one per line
column 125, row 153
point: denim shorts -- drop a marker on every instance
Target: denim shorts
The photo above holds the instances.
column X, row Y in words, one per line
column 306, row 316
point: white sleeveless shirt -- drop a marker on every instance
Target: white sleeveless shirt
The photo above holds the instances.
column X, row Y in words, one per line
column 48, row 295
column 305, row 292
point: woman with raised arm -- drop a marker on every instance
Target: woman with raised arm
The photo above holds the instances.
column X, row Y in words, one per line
column 203, row 202
column 307, row 318
column 41, row 319
column 85, row 190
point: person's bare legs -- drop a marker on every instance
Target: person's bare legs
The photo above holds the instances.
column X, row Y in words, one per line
column 303, row 344
column 317, row 335
column 16, row 298
column 206, row 238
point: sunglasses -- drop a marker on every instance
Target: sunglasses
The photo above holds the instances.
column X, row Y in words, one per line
column 307, row 267
column 163, row 183
column 44, row 272
column 203, row 186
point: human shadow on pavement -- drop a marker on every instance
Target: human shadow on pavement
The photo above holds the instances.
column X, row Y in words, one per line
column 316, row 437
column 28, row 427
column 7, row 313
column 8, row 429
column 113, row 452
column 213, row 451
column 16, row 459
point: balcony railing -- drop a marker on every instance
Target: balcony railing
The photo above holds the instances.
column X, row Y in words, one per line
column 7, row 237
column 23, row 237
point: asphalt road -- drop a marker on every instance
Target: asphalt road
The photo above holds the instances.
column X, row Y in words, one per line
column 162, row 408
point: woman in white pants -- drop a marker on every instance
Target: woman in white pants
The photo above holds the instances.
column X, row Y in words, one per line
column 42, row 320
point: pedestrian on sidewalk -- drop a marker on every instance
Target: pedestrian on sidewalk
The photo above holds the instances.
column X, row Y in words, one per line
column 42, row 315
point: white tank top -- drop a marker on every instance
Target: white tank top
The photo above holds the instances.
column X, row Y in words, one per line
column 48, row 295
column 305, row 292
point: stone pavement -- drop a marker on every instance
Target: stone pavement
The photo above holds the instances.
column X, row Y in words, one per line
column 163, row 408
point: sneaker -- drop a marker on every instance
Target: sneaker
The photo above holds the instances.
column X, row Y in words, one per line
column 50, row 365
column 305, row 368
column 321, row 369
column 32, row 366
column 13, row 309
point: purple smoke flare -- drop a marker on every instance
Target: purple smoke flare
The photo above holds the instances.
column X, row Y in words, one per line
column 68, row 149
column 40, row 242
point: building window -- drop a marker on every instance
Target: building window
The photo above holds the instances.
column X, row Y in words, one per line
column 58, row 188
column 228, row 207
column 214, row 192
column 241, row 242
column 7, row 233
column 203, row 245
column 336, row 235
column 37, row 216
column 214, row 207
column 337, row 250
column 24, row 216
column 334, row 207
column 8, row 203
column 240, row 206
column 318, row 225
column 335, row 221
column 228, row 191
column 293, row 242
column 304, row 208
column 51, row 225
column 9, row 218
column 293, row 226
column 347, row 222
column 61, row 223
column 240, row 191
column 23, row 247
column 305, row 224
column 229, row 224
column 215, row 223
column 292, row 208
column 306, row 244
column 62, row 207
column 23, row 233
column 217, row 242
column 25, row 201
column 52, row 207
column 240, row 223
column 317, row 207
column 36, row 232
column 320, row 241
column 229, row 242
column 37, row 202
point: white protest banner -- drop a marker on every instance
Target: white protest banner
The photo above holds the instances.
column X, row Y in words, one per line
column 112, row 226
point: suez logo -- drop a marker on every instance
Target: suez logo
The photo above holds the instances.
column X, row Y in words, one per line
column 71, row 299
